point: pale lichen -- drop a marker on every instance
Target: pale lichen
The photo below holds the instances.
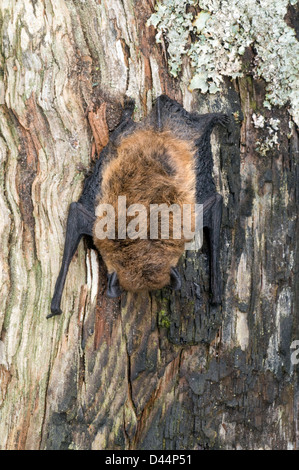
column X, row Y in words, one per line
column 221, row 33
column 258, row 120
column 271, row 140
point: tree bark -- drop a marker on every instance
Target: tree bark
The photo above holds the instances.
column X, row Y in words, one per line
column 157, row 371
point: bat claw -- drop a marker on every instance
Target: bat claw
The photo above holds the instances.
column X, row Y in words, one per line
column 54, row 311
column 129, row 106
column 216, row 300
column 224, row 120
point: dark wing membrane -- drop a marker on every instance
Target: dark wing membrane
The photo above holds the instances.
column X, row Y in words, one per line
column 169, row 114
column 93, row 182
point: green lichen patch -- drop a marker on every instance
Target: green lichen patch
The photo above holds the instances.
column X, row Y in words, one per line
column 163, row 315
column 163, row 319
column 221, row 33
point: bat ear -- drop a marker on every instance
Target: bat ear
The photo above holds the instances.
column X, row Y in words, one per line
column 113, row 289
column 175, row 279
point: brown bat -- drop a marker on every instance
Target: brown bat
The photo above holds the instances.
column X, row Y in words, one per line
column 164, row 159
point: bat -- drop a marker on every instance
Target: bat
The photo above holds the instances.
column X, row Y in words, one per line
column 164, row 159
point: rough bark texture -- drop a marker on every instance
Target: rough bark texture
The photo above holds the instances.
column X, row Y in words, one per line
column 162, row 371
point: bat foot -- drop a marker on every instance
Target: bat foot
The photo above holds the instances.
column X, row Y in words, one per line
column 216, row 300
column 224, row 120
column 129, row 106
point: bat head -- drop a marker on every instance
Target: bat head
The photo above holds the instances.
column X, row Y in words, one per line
column 114, row 289
column 114, row 286
column 140, row 266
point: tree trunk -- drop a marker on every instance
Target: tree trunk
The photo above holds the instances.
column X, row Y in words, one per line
column 165, row 370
